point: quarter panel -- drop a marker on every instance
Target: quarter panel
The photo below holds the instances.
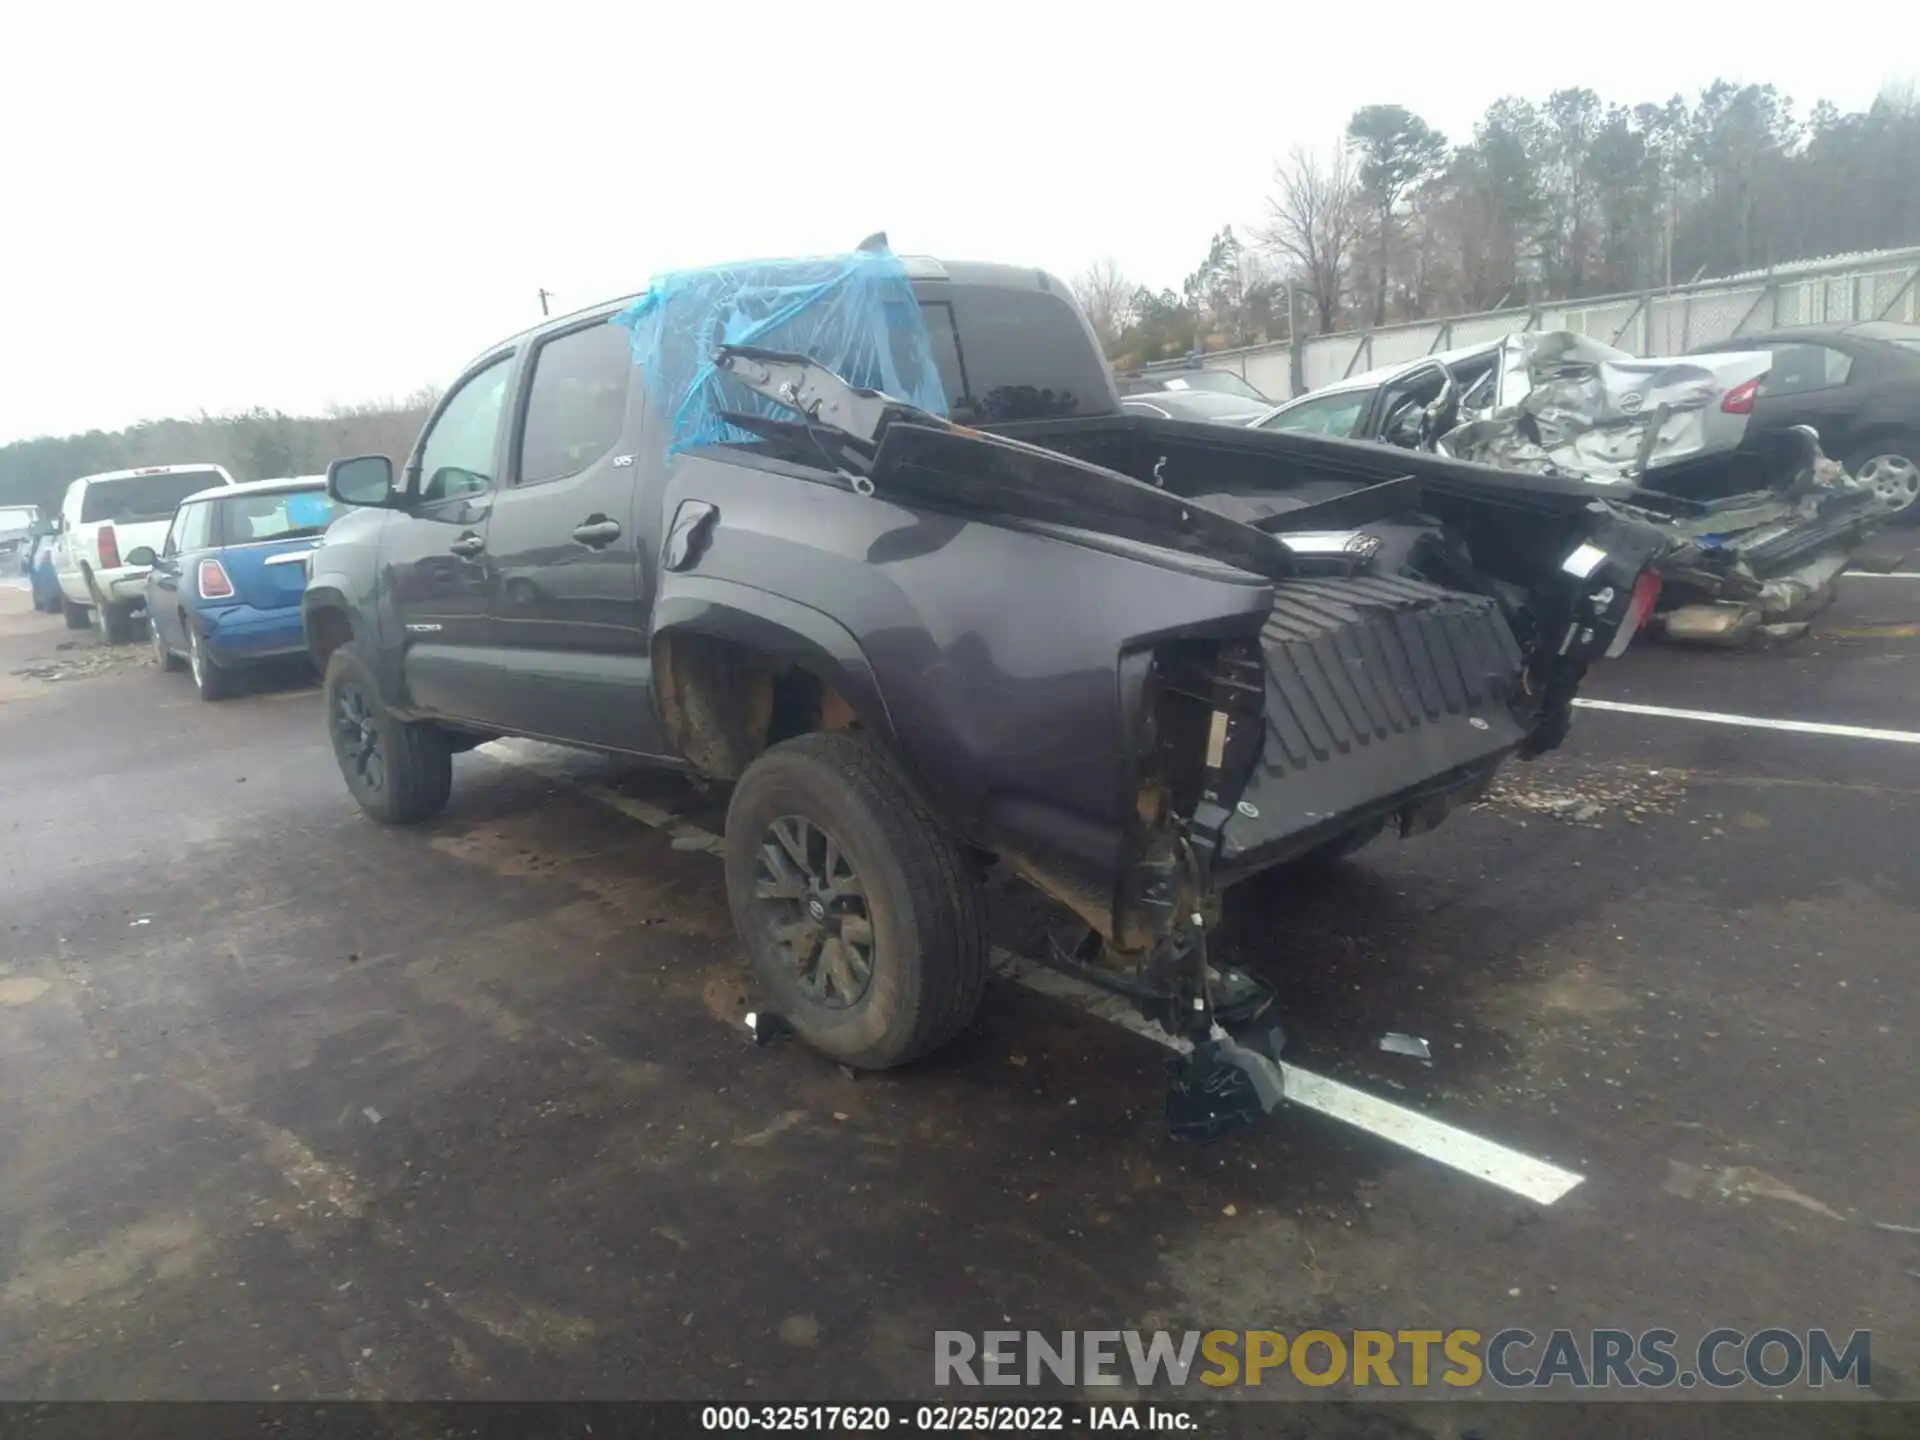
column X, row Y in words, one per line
column 994, row 652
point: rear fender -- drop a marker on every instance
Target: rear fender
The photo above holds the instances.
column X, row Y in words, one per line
column 790, row 635
column 329, row 619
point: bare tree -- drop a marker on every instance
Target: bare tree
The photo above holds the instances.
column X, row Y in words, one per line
column 1314, row 219
column 1107, row 297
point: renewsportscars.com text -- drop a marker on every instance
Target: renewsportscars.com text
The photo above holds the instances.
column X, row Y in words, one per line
column 1657, row 1359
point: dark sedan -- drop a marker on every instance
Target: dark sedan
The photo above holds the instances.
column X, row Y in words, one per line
column 1208, row 405
column 1858, row 385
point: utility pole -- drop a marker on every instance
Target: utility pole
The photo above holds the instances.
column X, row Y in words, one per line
column 545, row 295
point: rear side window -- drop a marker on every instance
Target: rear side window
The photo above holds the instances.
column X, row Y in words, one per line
column 1798, row 368
column 1007, row 355
column 282, row 515
column 195, row 526
column 142, row 497
column 577, row 404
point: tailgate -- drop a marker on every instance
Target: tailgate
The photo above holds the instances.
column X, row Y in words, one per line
column 131, row 535
column 1380, row 692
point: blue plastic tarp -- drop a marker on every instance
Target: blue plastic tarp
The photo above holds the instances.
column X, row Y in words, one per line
column 854, row 314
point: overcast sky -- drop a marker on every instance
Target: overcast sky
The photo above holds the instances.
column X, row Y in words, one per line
column 290, row 204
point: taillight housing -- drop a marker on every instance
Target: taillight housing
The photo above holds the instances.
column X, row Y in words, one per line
column 213, row 582
column 1739, row 400
column 1646, row 593
column 109, row 544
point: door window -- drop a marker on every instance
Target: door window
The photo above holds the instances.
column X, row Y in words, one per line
column 1800, row 368
column 457, row 457
column 1327, row 415
column 577, row 404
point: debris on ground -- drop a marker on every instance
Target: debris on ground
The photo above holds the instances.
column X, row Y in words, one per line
column 1742, row 1183
column 1395, row 1042
column 766, row 1028
column 1585, row 795
column 79, row 664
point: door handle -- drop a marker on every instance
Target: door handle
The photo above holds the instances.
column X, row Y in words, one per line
column 597, row 531
column 468, row 546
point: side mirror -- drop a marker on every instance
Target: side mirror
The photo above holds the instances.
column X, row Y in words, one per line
column 140, row 555
column 363, row 480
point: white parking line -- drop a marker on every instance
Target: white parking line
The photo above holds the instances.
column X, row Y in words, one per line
column 1459, row 1149
column 1881, row 574
column 1497, row 1164
column 1756, row 722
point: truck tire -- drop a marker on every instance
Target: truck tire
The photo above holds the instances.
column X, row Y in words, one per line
column 112, row 621
column 77, row 616
column 863, row 918
column 399, row 772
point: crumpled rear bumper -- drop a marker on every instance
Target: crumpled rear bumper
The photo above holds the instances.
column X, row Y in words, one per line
column 1770, row 556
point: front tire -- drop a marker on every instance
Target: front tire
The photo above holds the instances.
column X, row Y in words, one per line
column 163, row 656
column 863, row 919
column 399, row 773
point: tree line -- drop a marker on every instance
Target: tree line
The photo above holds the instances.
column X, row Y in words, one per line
column 256, row 445
column 1546, row 200
column 1558, row 199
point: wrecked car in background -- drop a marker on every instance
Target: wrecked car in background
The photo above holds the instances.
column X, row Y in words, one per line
column 873, row 540
column 1760, row 531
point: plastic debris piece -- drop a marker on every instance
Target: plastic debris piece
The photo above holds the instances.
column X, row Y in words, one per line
column 1396, row 1043
column 856, row 315
column 766, row 1028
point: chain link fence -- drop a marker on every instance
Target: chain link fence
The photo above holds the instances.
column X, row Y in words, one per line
column 1884, row 286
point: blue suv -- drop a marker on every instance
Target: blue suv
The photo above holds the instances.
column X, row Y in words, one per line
column 224, row 591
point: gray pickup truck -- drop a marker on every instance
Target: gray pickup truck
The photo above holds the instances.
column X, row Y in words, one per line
column 974, row 615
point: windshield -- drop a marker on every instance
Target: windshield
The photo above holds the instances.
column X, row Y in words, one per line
column 143, row 497
column 278, row 515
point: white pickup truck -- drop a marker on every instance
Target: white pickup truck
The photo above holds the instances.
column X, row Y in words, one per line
column 106, row 517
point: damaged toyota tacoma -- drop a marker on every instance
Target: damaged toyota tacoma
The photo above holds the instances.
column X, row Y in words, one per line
column 872, row 540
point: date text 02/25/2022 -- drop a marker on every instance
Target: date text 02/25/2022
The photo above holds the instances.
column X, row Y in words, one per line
column 944, row 1419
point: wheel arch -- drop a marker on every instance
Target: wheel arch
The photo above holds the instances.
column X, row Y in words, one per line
column 736, row 670
column 327, row 621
